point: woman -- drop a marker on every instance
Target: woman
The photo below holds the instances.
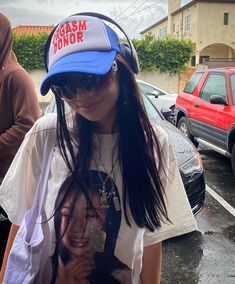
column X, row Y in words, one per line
column 107, row 130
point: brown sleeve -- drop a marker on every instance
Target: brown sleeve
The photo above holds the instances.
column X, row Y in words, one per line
column 25, row 110
column 10, row 240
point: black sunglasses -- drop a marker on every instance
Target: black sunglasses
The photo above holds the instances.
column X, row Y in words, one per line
column 69, row 85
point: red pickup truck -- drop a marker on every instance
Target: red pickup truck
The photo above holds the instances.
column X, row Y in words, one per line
column 205, row 110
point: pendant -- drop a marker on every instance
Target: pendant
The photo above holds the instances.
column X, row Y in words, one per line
column 116, row 203
column 99, row 242
column 103, row 198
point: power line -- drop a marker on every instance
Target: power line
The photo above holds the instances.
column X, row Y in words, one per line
column 137, row 7
column 148, row 7
column 136, row 11
column 122, row 12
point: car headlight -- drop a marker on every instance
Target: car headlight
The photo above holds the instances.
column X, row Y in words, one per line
column 193, row 165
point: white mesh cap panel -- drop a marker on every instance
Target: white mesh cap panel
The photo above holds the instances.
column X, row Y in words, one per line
column 78, row 33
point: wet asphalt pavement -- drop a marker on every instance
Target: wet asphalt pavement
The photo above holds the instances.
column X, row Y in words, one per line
column 208, row 255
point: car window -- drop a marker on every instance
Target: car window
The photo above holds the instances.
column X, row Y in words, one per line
column 192, row 82
column 148, row 90
column 151, row 110
column 215, row 85
column 232, row 82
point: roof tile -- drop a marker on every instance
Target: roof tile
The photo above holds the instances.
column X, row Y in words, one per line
column 31, row 30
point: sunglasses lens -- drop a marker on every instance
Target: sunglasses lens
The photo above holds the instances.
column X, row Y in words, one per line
column 68, row 93
column 70, row 87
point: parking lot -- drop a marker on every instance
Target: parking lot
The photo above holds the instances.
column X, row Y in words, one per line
column 207, row 256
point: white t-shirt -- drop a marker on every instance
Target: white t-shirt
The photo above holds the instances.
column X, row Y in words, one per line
column 18, row 189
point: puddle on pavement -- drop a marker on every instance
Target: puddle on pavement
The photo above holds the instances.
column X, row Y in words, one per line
column 229, row 233
column 181, row 258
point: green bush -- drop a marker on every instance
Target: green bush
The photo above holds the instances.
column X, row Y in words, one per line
column 168, row 55
column 29, row 50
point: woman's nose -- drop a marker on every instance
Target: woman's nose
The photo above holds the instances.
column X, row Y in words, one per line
column 78, row 224
column 83, row 93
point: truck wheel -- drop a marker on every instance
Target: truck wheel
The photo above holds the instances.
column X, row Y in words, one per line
column 233, row 159
column 184, row 127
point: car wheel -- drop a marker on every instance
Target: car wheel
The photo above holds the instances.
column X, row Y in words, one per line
column 233, row 160
column 184, row 127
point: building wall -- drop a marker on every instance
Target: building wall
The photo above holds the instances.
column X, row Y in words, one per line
column 164, row 81
column 173, row 5
column 206, row 25
column 37, row 77
column 156, row 30
column 178, row 20
column 178, row 24
column 210, row 25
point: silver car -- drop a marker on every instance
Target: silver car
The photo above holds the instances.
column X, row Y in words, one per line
column 164, row 101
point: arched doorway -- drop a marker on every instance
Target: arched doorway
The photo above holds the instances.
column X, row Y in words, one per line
column 215, row 55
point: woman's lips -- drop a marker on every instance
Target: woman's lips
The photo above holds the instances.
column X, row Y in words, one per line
column 79, row 243
column 88, row 105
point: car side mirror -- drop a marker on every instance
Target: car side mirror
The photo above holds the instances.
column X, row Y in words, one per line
column 155, row 93
column 218, row 99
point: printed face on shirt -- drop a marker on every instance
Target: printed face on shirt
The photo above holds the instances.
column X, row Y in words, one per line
column 86, row 219
column 79, row 260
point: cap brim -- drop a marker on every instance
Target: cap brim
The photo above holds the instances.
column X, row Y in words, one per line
column 92, row 62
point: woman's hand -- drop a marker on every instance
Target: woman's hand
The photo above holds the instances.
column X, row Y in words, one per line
column 75, row 271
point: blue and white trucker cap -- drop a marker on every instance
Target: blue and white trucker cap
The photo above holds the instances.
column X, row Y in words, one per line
column 81, row 44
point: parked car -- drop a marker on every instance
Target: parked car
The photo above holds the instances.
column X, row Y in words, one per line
column 188, row 158
column 205, row 110
column 164, row 101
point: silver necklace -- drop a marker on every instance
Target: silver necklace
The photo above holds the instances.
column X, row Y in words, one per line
column 99, row 237
column 105, row 196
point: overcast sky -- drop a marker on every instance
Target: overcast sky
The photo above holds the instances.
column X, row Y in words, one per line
column 133, row 15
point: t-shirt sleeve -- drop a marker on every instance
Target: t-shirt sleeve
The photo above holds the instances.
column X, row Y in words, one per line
column 178, row 207
column 19, row 185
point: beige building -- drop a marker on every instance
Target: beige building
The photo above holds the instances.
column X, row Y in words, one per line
column 209, row 24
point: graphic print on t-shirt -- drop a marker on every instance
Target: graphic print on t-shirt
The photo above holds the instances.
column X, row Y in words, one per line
column 87, row 222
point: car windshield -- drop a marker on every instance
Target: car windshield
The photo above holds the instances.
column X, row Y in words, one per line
column 192, row 82
column 149, row 90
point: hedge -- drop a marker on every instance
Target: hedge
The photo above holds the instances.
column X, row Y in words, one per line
column 29, row 50
column 168, row 55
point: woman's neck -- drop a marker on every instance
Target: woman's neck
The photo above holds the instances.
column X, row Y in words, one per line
column 108, row 125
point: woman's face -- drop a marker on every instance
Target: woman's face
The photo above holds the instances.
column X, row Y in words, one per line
column 99, row 106
column 84, row 222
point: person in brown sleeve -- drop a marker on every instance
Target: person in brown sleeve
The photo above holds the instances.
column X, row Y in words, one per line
column 19, row 109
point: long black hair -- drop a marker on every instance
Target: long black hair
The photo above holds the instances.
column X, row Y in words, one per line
column 138, row 150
